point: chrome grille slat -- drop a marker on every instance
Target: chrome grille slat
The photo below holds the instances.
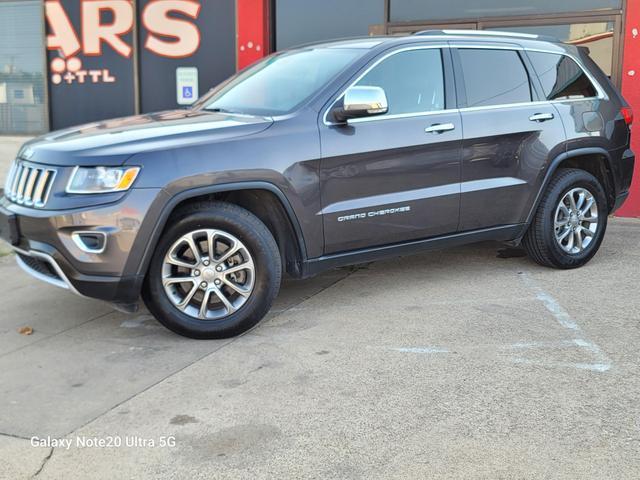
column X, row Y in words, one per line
column 29, row 184
column 23, row 180
column 9, row 183
column 39, row 194
column 16, row 178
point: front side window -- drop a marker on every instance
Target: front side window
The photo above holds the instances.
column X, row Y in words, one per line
column 561, row 77
column 413, row 81
column 494, row 77
column 281, row 83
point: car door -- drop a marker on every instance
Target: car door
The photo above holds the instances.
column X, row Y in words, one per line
column 510, row 133
column 394, row 177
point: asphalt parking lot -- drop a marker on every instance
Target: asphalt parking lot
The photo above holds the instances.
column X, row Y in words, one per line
column 455, row 364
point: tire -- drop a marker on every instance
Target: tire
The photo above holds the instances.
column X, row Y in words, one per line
column 541, row 241
column 257, row 262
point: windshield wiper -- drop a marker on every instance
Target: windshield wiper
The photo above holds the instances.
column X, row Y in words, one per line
column 220, row 110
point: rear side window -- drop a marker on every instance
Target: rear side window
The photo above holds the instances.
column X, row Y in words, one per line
column 561, row 77
column 494, row 77
column 413, row 81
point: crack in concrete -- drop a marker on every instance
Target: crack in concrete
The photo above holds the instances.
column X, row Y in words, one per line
column 44, row 462
column 11, row 435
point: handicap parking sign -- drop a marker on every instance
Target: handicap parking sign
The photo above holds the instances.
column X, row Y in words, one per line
column 186, row 85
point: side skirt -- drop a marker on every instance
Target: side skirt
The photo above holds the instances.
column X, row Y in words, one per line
column 504, row 233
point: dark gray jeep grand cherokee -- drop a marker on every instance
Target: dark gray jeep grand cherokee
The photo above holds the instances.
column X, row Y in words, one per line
column 322, row 156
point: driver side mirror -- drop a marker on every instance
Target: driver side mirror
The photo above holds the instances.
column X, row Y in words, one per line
column 362, row 102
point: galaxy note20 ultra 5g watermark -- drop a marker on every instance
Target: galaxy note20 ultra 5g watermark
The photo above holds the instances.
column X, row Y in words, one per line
column 108, row 441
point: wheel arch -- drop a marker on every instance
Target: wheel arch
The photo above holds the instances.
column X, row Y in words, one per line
column 594, row 160
column 256, row 197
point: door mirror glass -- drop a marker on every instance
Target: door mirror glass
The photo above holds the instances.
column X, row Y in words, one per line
column 362, row 102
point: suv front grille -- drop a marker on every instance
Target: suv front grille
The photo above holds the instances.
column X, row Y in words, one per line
column 29, row 184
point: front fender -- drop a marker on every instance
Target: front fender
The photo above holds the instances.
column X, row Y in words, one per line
column 165, row 203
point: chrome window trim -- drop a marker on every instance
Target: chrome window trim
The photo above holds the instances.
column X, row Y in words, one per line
column 505, row 105
column 398, row 115
column 601, row 93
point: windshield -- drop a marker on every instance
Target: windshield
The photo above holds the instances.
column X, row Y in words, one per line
column 281, row 83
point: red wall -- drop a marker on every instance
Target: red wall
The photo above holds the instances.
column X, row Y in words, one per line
column 253, row 31
column 631, row 91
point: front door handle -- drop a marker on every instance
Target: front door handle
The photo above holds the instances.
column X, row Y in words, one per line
column 440, row 128
column 541, row 117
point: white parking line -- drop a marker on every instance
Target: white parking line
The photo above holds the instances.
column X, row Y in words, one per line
column 602, row 362
column 421, row 350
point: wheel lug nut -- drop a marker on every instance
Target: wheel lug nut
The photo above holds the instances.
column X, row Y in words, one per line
column 203, row 285
column 197, row 273
column 206, row 263
column 218, row 268
column 218, row 282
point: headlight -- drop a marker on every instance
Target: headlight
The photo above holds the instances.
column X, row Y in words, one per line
column 101, row 179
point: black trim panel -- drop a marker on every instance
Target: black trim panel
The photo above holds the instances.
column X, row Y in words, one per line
column 502, row 234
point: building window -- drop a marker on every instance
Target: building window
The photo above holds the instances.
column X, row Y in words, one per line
column 416, row 10
column 22, row 78
column 597, row 36
column 299, row 22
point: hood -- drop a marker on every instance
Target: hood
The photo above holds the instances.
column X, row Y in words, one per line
column 112, row 142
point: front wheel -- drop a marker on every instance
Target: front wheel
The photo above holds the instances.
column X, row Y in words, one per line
column 570, row 222
column 215, row 272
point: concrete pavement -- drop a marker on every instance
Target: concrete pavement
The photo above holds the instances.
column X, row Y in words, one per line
column 456, row 364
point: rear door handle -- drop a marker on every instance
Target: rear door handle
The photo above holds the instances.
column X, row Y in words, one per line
column 440, row 128
column 541, row 117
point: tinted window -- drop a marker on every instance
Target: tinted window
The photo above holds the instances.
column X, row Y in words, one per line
column 413, row 81
column 412, row 10
column 561, row 77
column 494, row 77
column 282, row 82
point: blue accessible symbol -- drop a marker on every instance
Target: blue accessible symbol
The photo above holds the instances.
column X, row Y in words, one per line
column 187, row 92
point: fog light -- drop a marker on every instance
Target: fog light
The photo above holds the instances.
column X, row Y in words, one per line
column 90, row 242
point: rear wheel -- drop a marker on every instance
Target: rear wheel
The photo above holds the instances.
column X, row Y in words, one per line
column 570, row 222
column 215, row 272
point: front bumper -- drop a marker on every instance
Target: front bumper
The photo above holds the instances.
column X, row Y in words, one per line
column 45, row 246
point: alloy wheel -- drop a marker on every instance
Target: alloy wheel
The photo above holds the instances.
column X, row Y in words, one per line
column 208, row 274
column 576, row 220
